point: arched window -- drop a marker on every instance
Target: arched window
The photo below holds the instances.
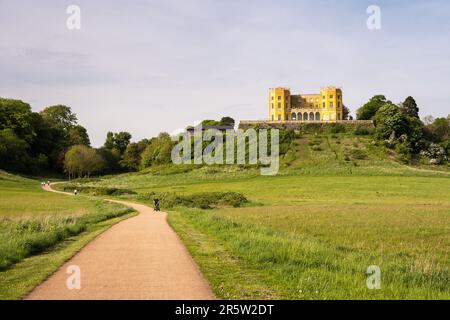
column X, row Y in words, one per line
column 311, row 116
column 317, row 116
column 305, row 116
column 294, row 116
column 299, row 116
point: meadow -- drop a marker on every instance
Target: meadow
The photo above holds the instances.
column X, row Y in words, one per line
column 339, row 205
column 39, row 230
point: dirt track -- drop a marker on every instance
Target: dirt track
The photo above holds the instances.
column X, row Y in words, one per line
column 138, row 258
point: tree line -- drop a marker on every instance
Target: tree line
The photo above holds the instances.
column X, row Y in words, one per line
column 53, row 140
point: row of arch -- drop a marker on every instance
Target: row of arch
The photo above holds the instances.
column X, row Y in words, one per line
column 305, row 116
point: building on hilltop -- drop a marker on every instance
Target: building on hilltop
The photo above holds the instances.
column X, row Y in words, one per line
column 326, row 106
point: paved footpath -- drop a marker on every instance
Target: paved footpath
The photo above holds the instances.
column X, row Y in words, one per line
column 138, row 258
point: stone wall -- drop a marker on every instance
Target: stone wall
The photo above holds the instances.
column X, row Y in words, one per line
column 313, row 126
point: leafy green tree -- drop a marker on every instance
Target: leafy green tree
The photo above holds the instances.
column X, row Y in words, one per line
column 390, row 119
column 60, row 121
column 227, row 121
column 119, row 140
column 158, row 151
column 109, row 142
column 112, row 158
column 17, row 116
column 368, row 110
column 440, row 129
column 82, row 161
column 78, row 135
column 410, row 107
column 132, row 156
column 13, row 152
column 407, row 132
column 59, row 116
column 209, row 122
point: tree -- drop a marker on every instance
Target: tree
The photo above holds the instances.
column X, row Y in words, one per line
column 13, row 152
column 121, row 141
column 60, row 121
column 410, row 107
column 390, row 119
column 345, row 113
column 118, row 141
column 82, row 161
column 404, row 131
column 59, row 116
column 17, row 116
column 109, row 142
column 209, row 123
column 368, row 110
column 227, row 121
column 132, row 156
column 440, row 129
column 78, row 135
column 158, row 151
column 112, row 159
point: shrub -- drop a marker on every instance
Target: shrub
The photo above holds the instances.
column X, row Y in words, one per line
column 358, row 154
column 204, row 200
column 337, row 128
column 361, row 131
column 435, row 153
column 100, row 191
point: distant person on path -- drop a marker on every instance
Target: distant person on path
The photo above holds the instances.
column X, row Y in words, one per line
column 75, row 192
column 156, row 204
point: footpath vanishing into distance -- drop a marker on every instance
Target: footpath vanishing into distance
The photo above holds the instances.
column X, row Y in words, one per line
column 138, row 258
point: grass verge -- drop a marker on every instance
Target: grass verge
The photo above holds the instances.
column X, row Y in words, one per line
column 17, row 282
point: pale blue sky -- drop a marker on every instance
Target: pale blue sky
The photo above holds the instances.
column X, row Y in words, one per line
column 151, row 66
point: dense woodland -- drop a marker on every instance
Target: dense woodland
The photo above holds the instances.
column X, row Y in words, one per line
column 53, row 140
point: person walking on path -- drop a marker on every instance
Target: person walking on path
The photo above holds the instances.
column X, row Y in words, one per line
column 156, row 204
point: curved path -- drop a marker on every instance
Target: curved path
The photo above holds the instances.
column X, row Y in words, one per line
column 138, row 258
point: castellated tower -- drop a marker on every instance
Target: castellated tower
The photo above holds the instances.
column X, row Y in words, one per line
column 279, row 104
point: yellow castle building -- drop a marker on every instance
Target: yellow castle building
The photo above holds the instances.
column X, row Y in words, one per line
column 326, row 106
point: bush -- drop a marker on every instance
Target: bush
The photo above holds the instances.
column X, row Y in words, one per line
column 337, row 128
column 99, row 191
column 361, row 131
column 204, row 200
column 435, row 153
column 358, row 154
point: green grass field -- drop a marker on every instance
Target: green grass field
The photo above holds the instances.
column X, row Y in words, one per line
column 312, row 231
column 39, row 230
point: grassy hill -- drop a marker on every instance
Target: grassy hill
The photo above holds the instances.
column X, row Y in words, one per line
column 39, row 230
column 339, row 205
